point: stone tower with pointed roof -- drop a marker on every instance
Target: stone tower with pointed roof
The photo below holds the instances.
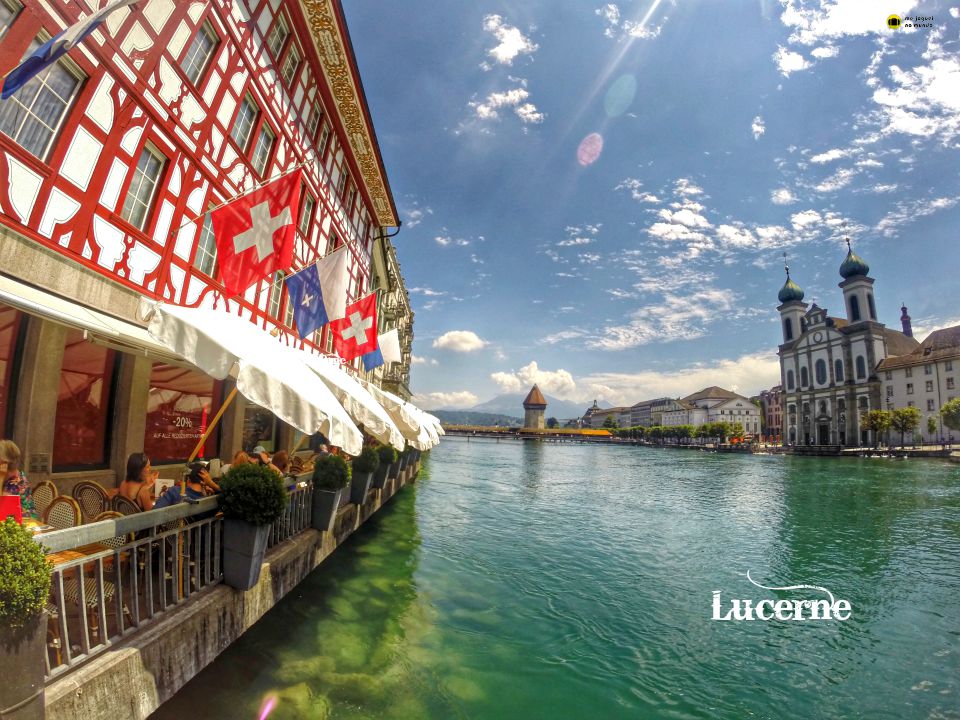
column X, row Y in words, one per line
column 534, row 407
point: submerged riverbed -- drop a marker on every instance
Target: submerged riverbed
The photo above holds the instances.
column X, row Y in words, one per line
column 522, row 580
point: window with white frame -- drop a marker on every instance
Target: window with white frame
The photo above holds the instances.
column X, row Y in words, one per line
column 889, row 391
column 322, row 142
column 313, row 121
column 143, row 187
column 929, row 386
column 306, row 215
column 206, row 258
column 931, row 405
column 200, row 52
column 291, row 63
column 278, row 36
column 33, row 114
column 244, row 122
column 908, row 372
column 948, row 366
column 909, row 388
column 928, row 369
column 8, row 13
column 264, row 146
column 276, row 294
column 950, row 383
column 341, row 182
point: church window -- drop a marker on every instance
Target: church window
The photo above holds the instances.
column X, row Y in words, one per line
column 838, row 370
column 854, row 308
column 787, row 329
column 789, row 379
column 804, row 377
column 820, row 369
column 861, row 367
column 873, row 309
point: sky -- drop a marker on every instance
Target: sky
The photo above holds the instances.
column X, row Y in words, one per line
column 596, row 197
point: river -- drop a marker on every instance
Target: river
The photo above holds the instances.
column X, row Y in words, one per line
column 526, row 580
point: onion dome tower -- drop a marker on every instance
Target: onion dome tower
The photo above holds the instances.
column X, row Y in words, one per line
column 792, row 308
column 534, row 407
column 857, row 288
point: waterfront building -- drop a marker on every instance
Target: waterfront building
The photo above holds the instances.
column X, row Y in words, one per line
column 393, row 311
column 110, row 158
column 828, row 364
column 771, row 410
column 534, row 407
column 714, row 404
column 926, row 378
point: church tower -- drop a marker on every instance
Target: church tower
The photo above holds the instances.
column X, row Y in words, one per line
column 533, row 409
column 792, row 308
column 857, row 288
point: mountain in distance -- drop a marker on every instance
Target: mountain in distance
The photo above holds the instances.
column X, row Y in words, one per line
column 512, row 404
column 468, row 417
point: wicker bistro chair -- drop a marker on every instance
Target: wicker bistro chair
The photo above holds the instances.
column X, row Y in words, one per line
column 63, row 512
column 124, row 506
column 43, row 495
column 92, row 498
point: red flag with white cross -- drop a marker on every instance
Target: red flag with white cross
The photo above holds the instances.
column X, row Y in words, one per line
column 255, row 233
column 355, row 334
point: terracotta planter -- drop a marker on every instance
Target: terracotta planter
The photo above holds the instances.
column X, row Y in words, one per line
column 323, row 513
column 22, row 668
column 359, row 487
column 244, row 546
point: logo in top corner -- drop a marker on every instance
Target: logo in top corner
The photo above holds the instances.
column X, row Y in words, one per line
column 894, row 22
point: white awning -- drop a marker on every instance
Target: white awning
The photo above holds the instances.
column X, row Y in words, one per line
column 267, row 374
column 103, row 328
column 406, row 416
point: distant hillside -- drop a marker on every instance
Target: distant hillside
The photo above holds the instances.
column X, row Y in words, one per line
column 468, row 417
column 512, row 404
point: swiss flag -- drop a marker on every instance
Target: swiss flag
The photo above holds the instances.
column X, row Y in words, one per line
column 356, row 333
column 255, row 233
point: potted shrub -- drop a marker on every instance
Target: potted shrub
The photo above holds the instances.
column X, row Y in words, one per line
column 387, row 456
column 331, row 480
column 254, row 497
column 24, row 592
column 364, row 466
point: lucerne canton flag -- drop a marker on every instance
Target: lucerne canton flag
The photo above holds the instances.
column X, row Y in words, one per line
column 319, row 292
column 56, row 47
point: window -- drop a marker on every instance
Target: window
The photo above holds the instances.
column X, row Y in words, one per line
column 888, row 375
column 804, row 377
column 276, row 294
column 306, row 215
column 341, row 183
column 261, row 153
column 180, row 405
column 200, row 52
column 909, row 388
column 889, row 391
column 838, row 370
column 278, row 36
column 854, row 308
column 313, row 122
column 950, row 383
column 83, row 404
column 931, row 405
column 787, row 329
column 243, row 124
column 259, row 428
column 928, row 369
column 929, row 386
column 8, row 13
column 32, row 115
column 861, row 367
column 873, row 309
column 322, row 142
column 948, row 366
column 333, row 243
column 820, row 370
column 291, row 63
column 911, row 403
column 10, row 323
column 136, row 207
column 206, row 258
column 789, row 379
column 863, row 403
column 908, row 372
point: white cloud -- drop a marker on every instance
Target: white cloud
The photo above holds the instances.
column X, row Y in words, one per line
column 686, row 217
column 611, row 16
column 683, row 186
column 782, row 196
column 442, row 240
column 840, row 179
column 575, row 241
column 630, row 29
column 925, row 100
column 426, row 291
column 883, row 188
column 634, row 186
column 559, row 383
column 736, row 236
column 445, row 400
column 827, row 51
column 830, row 155
column 528, row 113
column 512, row 42
column 416, row 216
column 789, row 61
column 757, row 127
column 834, row 19
column 421, row 360
column 802, row 220
column 460, row 341
column 513, row 99
column 907, row 211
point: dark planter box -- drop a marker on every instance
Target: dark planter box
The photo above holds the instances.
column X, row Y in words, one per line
column 380, row 476
column 394, row 469
column 244, row 546
column 22, row 668
column 404, row 462
column 323, row 514
column 359, row 487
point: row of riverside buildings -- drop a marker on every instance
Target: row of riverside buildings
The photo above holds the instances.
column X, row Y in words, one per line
column 111, row 158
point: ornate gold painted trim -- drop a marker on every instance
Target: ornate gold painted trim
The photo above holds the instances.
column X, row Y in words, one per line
column 336, row 69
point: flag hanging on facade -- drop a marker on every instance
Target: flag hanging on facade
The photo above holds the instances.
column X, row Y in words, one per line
column 389, row 343
column 318, row 293
column 372, row 360
column 255, row 233
column 356, row 333
column 56, row 47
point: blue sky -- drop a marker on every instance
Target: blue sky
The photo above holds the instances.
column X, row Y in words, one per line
column 597, row 196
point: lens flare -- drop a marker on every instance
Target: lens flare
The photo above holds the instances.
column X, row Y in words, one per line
column 620, row 96
column 590, row 148
column 269, row 703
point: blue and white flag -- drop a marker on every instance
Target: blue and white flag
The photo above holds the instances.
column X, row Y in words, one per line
column 56, row 47
column 372, row 360
column 319, row 292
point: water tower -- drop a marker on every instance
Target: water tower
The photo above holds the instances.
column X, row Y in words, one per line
column 533, row 409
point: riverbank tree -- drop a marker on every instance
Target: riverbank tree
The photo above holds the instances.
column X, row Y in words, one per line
column 877, row 421
column 905, row 420
column 950, row 413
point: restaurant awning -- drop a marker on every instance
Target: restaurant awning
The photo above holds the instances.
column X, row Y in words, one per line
column 407, row 417
column 356, row 400
column 267, row 374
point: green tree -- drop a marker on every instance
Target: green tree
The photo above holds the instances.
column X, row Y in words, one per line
column 950, row 413
column 736, row 430
column 877, row 421
column 611, row 423
column 932, row 427
column 904, row 420
column 553, row 423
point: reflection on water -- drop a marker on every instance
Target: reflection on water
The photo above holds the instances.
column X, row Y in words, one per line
column 522, row 580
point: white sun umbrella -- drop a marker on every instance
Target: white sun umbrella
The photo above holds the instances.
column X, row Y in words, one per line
column 436, row 421
column 356, row 400
column 219, row 342
column 399, row 412
column 426, row 425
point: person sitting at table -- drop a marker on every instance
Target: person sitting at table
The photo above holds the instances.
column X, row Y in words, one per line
column 198, row 481
column 137, row 485
column 14, row 481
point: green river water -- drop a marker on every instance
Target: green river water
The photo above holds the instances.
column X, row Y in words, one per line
column 527, row 580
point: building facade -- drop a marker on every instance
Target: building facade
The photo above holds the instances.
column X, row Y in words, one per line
column 771, row 410
column 111, row 158
column 828, row 364
column 714, row 404
column 393, row 312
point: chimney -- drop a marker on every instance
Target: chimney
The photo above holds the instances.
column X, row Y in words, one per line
column 905, row 321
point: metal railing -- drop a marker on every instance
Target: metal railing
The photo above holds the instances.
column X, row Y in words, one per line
column 296, row 517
